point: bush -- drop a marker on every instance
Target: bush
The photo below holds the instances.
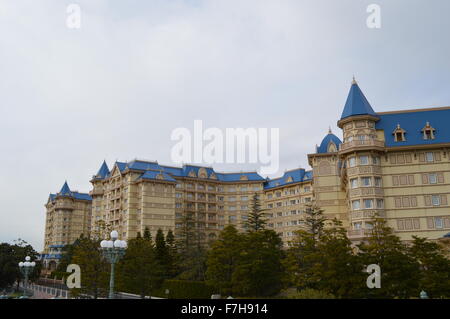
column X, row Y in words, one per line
column 59, row 275
column 183, row 289
column 311, row 294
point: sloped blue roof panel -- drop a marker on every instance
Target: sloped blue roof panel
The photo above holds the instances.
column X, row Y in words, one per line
column 143, row 165
column 153, row 176
column 102, row 172
column 330, row 138
column 356, row 103
column 82, row 196
column 236, row 177
column 122, row 166
column 65, row 190
column 413, row 123
column 297, row 175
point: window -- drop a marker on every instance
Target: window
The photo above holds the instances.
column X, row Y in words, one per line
column 366, row 181
column 376, row 160
column 429, row 156
column 378, row 181
column 354, row 183
column 357, row 225
column 356, row 205
column 428, row 132
column 438, row 222
column 380, row 203
column 352, row 162
column 436, row 200
column 432, row 178
column 269, row 196
column 368, row 203
column 364, row 160
column 399, row 134
column 307, row 189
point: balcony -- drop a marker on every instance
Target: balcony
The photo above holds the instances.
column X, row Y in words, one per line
column 349, row 146
column 359, row 233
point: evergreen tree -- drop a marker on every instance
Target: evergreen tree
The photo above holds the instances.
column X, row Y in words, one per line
column 94, row 268
column 173, row 256
column 259, row 271
column 434, row 267
column 139, row 271
column 162, row 252
column 256, row 219
column 399, row 271
column 314, row 221
column 223, row 259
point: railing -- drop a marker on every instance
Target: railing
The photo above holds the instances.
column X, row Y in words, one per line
column 357, row 143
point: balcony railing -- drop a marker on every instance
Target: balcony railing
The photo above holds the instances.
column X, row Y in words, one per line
column 358, row 143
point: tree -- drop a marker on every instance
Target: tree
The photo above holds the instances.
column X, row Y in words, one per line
column 162, row 252
column 139, row 272
column 191, row 249
column 434, row 267
column 173, row 256
column 302, row 254
column 94, row 269
column 335, row 268
column 223, row 259
column 399, row 271
column 256, row 220
column 259, row 268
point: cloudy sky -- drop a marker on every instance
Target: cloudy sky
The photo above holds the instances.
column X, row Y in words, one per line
column 116, row 88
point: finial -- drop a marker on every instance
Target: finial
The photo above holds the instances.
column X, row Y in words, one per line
column 329, row 130
column 354, row 80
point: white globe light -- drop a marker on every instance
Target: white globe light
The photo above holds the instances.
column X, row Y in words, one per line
column 124, row 244
column 21, row 264
column 104, row 243
column 114, row 234
column 110, row 244
column 32, row 264
column 27, row 258
column 118, row 243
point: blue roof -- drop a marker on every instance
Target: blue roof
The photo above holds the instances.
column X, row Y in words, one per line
column 143, row 165
column 327, row 140
column 413, row 122
column 121, row 166
column 357, row 103
column 154, row 175
column 289, row 177
column 102, row 172
column 65, row 190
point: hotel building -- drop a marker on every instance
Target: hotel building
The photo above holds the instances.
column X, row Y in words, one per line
column 395, row 164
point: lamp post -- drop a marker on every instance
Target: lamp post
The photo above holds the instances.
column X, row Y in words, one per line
column 113, row 250
column 26, row 268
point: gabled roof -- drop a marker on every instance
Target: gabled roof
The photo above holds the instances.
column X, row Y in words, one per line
column 357, row 103
column 327, row 140
column 289, row 177
column 413, row 121
column 102, row 172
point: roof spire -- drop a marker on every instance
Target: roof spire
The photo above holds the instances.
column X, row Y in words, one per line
column 354, row 81
column 103, row 171
column 65, row 190
column 356, row 103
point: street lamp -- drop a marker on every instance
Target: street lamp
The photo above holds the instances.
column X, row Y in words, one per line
column 113, row 250
column 26, row 268
column 423, row 295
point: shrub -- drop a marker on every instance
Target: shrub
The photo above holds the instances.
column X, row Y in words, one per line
column 182, row 289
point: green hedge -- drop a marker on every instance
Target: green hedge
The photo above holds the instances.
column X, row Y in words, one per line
column 183, row 289
column 59, row 274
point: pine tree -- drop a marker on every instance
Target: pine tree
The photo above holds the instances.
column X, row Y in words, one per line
column 223, row 260
column 434, row 267
column 162, row 252
column 256, row 219
column 173, row 255
column 259, row 270
column 399, row 271
column 95, row 270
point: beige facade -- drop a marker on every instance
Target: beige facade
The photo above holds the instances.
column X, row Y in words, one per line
column 394, row 164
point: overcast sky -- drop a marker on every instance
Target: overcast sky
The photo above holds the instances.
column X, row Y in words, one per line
column 116, row 88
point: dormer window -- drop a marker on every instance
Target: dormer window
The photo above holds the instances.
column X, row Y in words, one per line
column 428, row 132
column 399, row 134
